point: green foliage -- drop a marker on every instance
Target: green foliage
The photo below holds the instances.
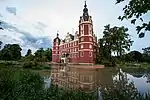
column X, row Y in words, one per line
column 1, row 44
column 133, row 56
column 18, row 84
column 11, row 52
column 24, row 85
column 29, row 52
column 29, row 64
column 57, row 93
column 33, row 65
column 136, row 56
column 47, row 66
column 134, row 10
column 115, row 40
column 43, row 55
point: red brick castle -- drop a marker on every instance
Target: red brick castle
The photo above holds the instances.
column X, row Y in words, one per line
column 79, row 48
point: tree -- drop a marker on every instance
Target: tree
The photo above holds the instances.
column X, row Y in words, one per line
column 146, row 50
column 114, row 40
column 29, row 52
column 134, row 10
column 43, row 55
column 16, row 51
column 48, row 54
column 121, row 40
column 135, row 56
column 5, row 54
column 11, row 52
column 1, row 44
column 40, row 55
column 146, row 54
column 0, row 26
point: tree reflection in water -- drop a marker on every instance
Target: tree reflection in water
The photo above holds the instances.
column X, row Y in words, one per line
column 122, row 89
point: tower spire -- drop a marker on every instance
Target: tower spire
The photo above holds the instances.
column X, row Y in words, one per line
column 85, row 4
column 85, row 12
column 57, row 33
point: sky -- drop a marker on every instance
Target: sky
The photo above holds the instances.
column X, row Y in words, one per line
column 63, row 16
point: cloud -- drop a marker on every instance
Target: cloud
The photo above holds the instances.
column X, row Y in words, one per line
column 41, row 24
column 1, row 15
column 11, row 10
column 12, row 34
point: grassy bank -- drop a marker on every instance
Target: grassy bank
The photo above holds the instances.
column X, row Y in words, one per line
column 133, row 65
column 18, row 84
column 34, row 65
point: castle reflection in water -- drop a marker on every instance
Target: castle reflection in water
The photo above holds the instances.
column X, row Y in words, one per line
column 85, row 78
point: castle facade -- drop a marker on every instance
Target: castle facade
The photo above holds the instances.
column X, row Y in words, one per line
column 80, row 47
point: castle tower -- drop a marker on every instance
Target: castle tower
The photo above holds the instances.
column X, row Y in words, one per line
column 86, row 38
column 55, row 50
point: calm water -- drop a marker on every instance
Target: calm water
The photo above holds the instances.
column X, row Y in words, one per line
column 106, row 76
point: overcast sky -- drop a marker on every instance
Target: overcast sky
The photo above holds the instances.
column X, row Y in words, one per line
column 63, row 15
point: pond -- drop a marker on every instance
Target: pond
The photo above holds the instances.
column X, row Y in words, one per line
column 90, row 79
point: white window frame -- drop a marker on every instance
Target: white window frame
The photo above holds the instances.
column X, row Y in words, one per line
column 81, row 46
column 90, row 46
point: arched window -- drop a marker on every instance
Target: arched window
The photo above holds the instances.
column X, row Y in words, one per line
column 90, row 54
column 81, row 54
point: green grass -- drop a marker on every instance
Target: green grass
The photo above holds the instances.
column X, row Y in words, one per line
column 136, row 66
column 18, row 84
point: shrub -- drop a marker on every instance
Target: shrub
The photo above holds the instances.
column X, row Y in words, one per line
column 47, row 66
column 28, row 64
column 19, row 84
column 24, row 86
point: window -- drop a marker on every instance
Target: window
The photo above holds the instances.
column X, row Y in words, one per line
column 82, row 46
column 90, row 54
column 81, row 54
column 90, row 39
column 90, row 46
column 82, row 39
